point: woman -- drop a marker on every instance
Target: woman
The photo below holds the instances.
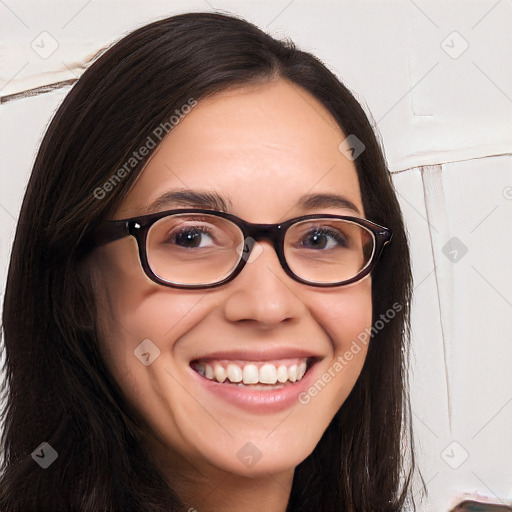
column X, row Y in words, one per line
column 207, row 305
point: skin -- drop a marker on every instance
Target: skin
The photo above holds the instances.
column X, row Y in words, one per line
column 264, row 146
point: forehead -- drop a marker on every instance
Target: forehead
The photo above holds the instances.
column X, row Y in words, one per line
column 262, row 147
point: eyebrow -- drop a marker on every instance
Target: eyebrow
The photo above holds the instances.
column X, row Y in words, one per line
column 215, row 201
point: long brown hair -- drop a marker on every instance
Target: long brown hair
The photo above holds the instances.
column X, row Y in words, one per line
column 59, row 389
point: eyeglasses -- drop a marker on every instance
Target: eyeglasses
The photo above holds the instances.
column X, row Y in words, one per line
column 196, row 248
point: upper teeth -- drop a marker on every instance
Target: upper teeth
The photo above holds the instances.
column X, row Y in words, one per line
column 253, row 373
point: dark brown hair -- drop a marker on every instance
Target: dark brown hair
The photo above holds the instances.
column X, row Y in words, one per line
column 59, row 389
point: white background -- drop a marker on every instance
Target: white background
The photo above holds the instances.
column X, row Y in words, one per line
column 436, row 78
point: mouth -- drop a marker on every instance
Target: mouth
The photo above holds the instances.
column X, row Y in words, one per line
column 266, row 380
column 257, row 375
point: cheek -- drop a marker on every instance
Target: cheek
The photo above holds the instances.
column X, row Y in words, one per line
column 132, row 309
column 346, row 317
column 137, row 318
column 345, row 314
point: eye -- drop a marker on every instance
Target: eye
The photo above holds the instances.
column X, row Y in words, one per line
column 324, row 238
column 190, row 237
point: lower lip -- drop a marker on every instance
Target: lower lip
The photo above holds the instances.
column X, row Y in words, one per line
column 261, row 401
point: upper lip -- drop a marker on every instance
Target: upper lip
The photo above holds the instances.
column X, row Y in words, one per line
column 264, row 354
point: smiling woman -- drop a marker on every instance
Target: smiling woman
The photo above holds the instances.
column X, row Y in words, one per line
column 224, row 326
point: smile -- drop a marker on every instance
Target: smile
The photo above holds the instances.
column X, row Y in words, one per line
column 259, row 381
column 254, row 373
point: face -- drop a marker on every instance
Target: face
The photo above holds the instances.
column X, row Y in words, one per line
column 262, row 148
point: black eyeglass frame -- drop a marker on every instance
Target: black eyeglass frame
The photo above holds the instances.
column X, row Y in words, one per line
column 138, row 227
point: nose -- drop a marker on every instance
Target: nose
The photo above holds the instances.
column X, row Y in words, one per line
column 263, row 292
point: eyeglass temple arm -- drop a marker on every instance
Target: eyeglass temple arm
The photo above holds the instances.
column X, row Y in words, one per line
column 110, row 231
